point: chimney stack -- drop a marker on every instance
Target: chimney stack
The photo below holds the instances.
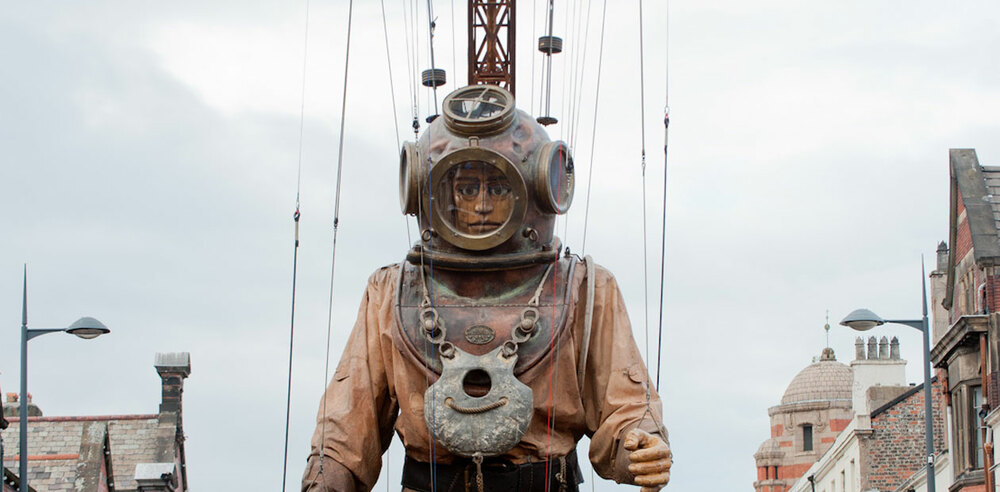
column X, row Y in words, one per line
column 173, row 368
column 882, row 366
column 940, row 320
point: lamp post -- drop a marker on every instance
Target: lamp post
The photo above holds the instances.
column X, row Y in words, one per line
column 86, row 328
column 863, row 320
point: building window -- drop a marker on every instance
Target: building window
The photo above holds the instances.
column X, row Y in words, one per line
column 807, row 437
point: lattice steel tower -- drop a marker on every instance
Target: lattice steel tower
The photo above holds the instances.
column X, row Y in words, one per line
column 491, row 42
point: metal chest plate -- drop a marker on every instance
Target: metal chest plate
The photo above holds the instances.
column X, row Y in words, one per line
column 467, row 320
column 488, row 425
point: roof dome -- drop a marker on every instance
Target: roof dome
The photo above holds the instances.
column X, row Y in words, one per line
column 769, row 446
column 826, row 379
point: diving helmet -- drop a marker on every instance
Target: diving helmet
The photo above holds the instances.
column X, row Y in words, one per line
column 486, row 183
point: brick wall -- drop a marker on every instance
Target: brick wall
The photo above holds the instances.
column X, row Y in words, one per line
column 963, row 239
column 993, row 293
column 837, row 425
column 793, row 471
column 896, row 447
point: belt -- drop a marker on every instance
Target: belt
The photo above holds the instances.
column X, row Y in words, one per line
column 499, row 475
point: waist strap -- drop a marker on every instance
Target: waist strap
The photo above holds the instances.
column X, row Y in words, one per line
column 499, row 475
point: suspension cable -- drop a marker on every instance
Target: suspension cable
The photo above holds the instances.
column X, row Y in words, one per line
column 583, row 66
column 534, row 36
column 645, row 245
column 575, row 75
column 593, row 136
column 566, row 74
column 295, row 250
column 392, row 95
column 663, row 239
column 336, row 219
column 411, row 66
column 548, row 63
column 454, row 47
column 431, row 24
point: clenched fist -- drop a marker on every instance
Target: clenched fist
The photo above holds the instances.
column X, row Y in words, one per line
column 649, row 461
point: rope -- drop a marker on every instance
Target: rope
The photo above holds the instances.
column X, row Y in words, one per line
column 429, row 300
column 395, row 124
column 336, row 219
column 583, row 66
column 593, row 136
column 450, row 403
column 663, row 240
column 291, row 343
column 392, row 95
column 295, row 251
column 563, row 129
column 553, row 347
column 645, row 243
column 575, row 74
column 411, row 65
column 642, row 126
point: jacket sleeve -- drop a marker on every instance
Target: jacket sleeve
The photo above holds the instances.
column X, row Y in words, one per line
column 358, row 410
column 615, row 382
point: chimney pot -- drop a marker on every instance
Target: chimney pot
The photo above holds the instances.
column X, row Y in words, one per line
column 942, row 256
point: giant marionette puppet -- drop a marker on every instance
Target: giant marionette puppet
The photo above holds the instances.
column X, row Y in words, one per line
column 489, row 351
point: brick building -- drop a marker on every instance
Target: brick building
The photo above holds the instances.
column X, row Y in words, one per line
column 124, row 453
column 865, row 423
column 882, row 449
column 966, row 294
column 965, row 336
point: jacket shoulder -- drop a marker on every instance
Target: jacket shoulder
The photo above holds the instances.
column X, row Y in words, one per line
column 385, row 275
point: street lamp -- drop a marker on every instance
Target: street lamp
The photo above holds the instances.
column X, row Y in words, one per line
column 863, row 320
column 86, row 328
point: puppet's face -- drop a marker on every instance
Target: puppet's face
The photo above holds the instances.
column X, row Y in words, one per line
column 482, row 198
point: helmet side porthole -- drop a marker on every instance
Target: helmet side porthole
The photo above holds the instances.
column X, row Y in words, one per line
column 555, row 178
column 409, row 179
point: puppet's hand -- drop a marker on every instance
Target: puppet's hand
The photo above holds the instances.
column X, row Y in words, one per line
column 650, row 459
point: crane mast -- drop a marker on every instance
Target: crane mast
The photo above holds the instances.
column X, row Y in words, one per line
column 491, row 43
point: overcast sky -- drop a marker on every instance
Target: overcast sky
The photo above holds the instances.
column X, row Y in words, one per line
column 149, row 156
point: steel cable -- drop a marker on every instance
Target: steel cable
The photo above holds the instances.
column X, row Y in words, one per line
column 336, row 221
column 295, row 252
column 593, row 136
